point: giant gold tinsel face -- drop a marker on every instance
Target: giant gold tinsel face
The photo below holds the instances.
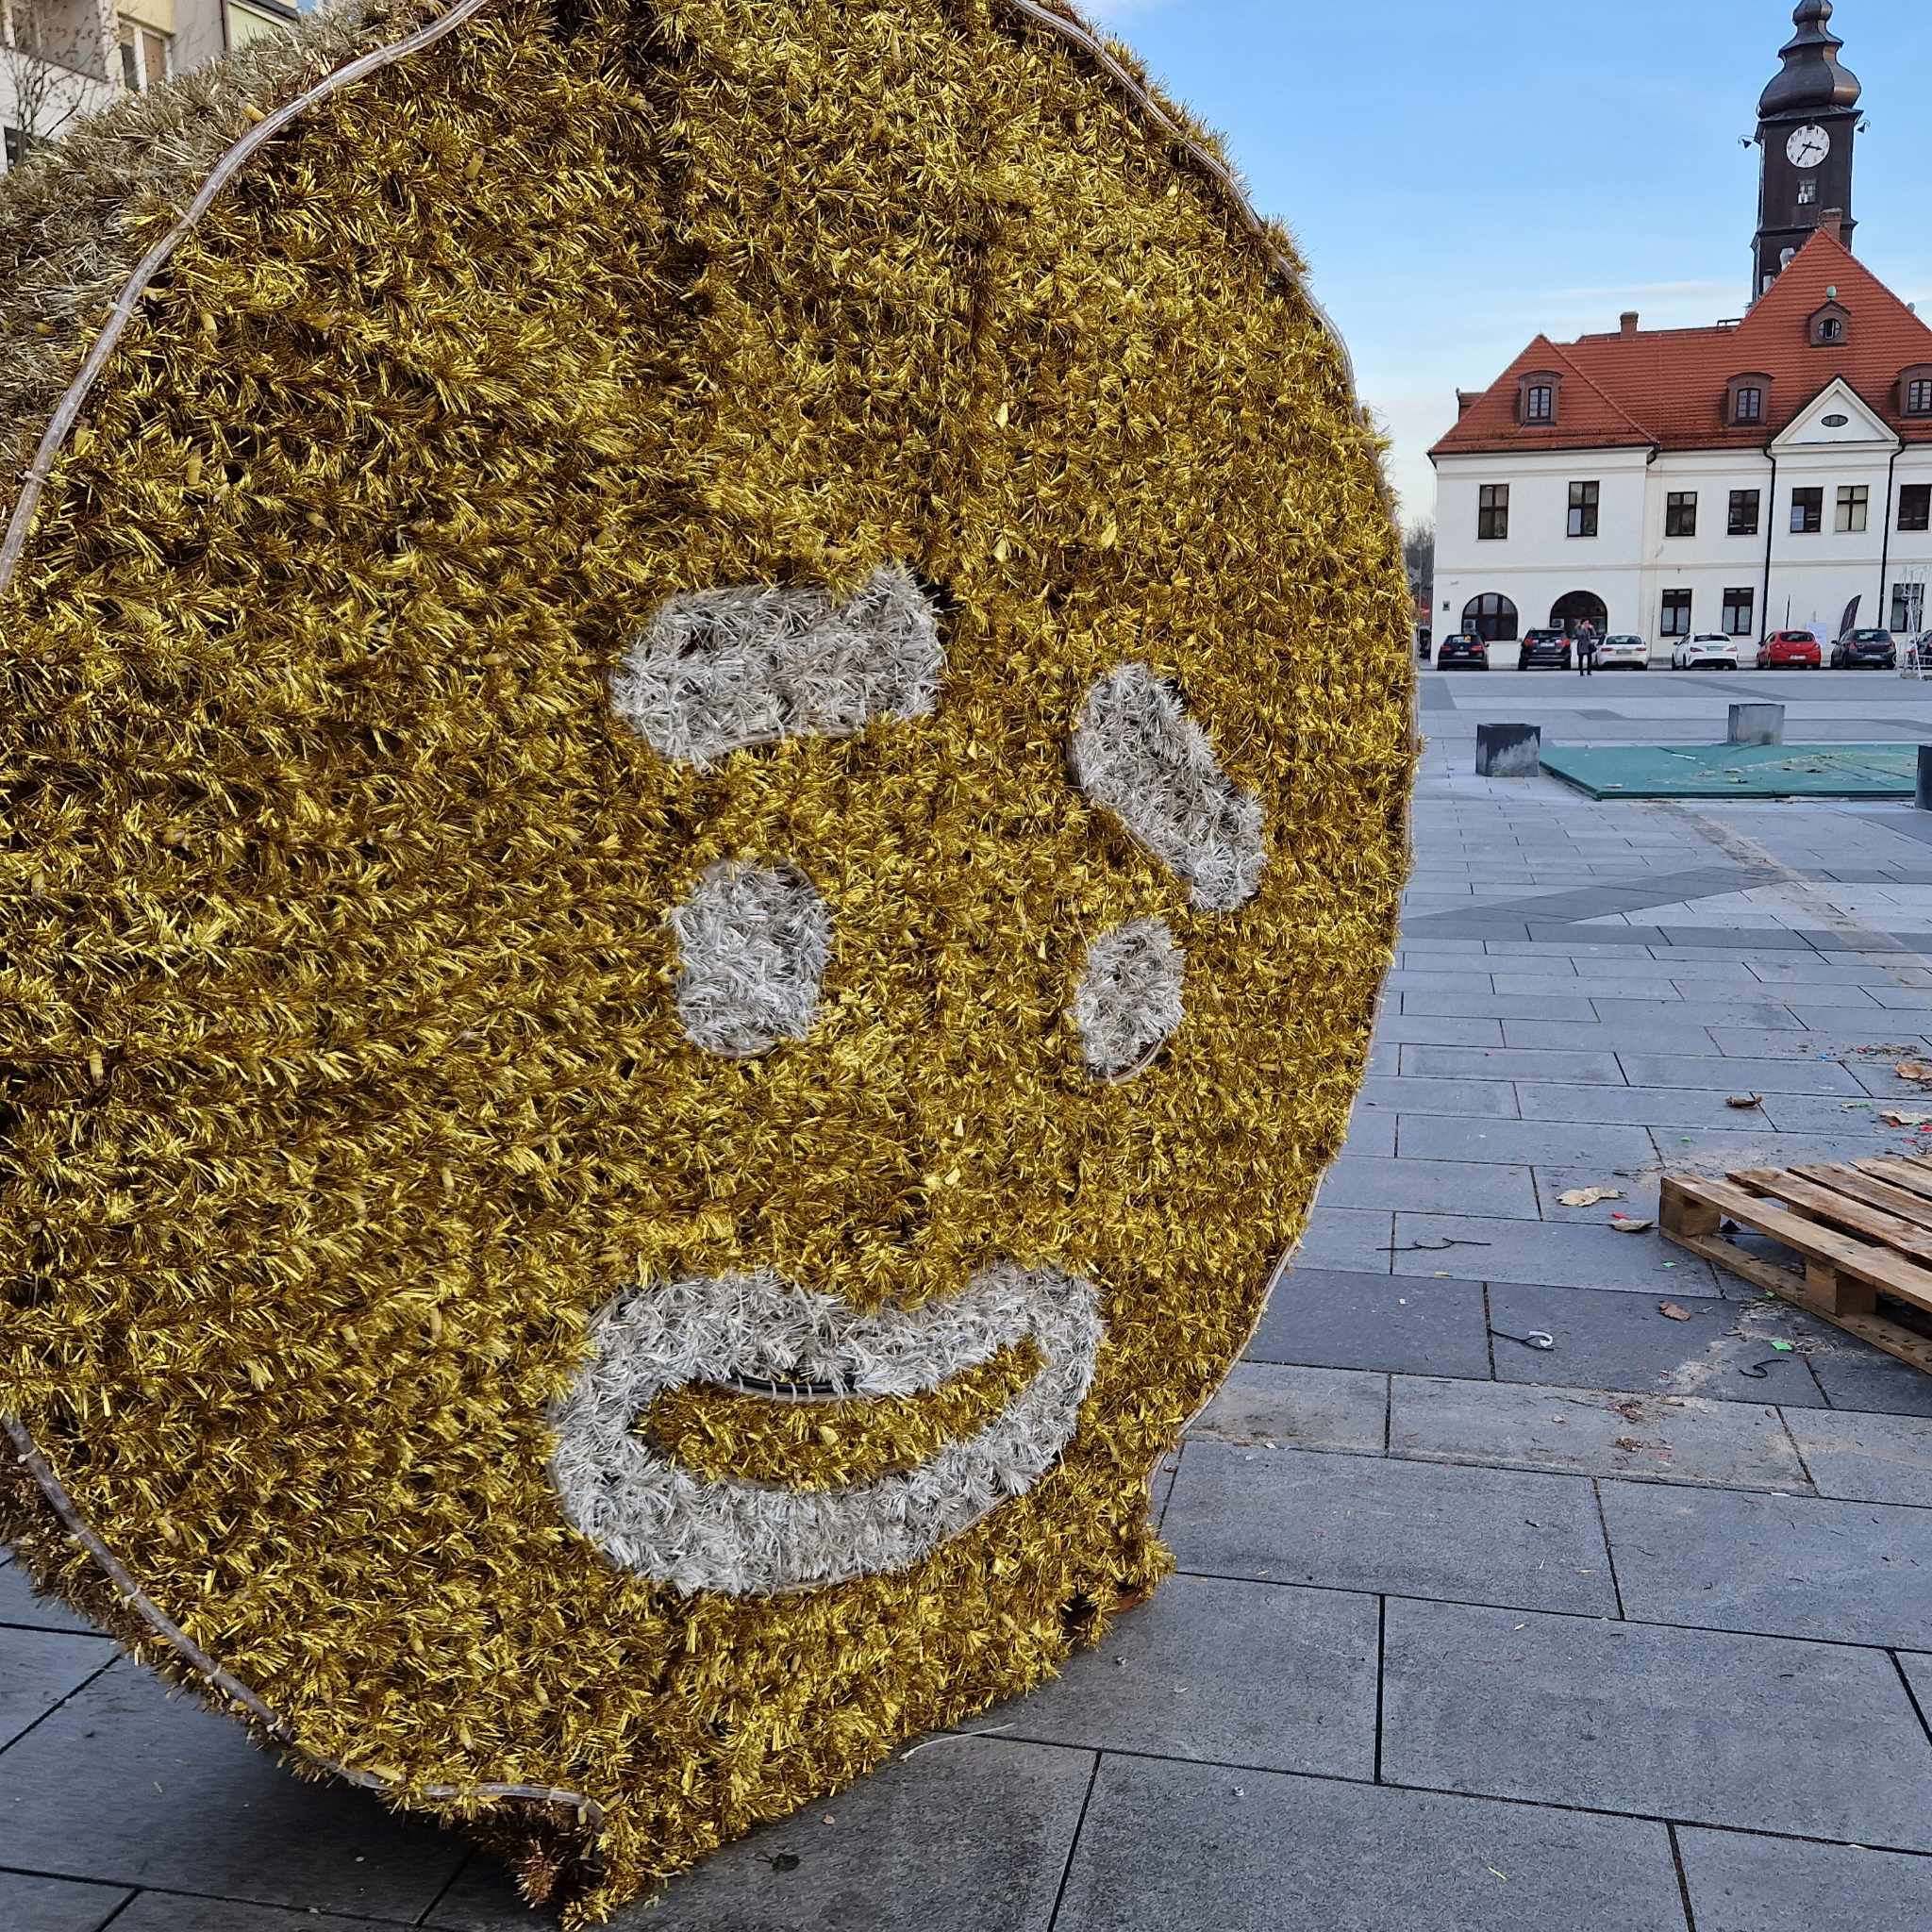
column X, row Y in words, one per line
column 707, row 735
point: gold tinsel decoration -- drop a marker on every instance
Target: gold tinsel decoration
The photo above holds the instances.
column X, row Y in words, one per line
column 340, row 1079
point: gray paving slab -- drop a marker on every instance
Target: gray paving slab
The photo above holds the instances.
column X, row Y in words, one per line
column 1441, row 1137
column 38, row 1668
column 1738, row 1075
column 1369, row 1132
column 1902, row 999
column 54, row 1905
column 1637, row 1185
column 1594, row 1036
column 1786, row 1566
column 1917, row 1668
column 963, row 1836
column 1837, row 970
column 1357, row 1237
column 1497, row 1005
column 1636, row 1107
column 1183, row 1848
column 1423, row 1029
column 173, row 1911
column 1540, row 985
column 1765, row 1015
column 19, row 1604
column 1820, row 1043
column 1492, row 1064
column 1805, row 1113
column 1873, row 1459
column 1592, row 1432
column 1744, row 1882
column 1404, row 980
column 177, row 1797
column 1671, row 969
column 1416, row 1528
column 1705, row 1151
column 1558, row 1253
column 1460, row 1187
column 1302, row 1408
column 1817, row 1739
column 1858, row 1380
column 1485, row 1099
column 1339, row 1319
column 1227, row 1672
column 1607, row 1340
column 1877, row 1077
column 1575, row 951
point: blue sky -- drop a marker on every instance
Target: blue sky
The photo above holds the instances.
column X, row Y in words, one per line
column 1462, row 173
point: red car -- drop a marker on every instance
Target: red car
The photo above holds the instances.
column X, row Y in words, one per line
column 1790, row 647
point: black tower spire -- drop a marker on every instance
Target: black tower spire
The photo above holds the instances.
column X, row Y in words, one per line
column 1808, row 125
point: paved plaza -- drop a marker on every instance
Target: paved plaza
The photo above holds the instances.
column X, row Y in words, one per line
column 1630, row 1635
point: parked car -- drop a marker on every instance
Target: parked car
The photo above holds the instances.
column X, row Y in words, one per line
column 1783, row 648
column 1463, row 647
column 1921, row 646
column 1709, row 648
column 1550, row 648
column 1632, row 654
column 1857, row 648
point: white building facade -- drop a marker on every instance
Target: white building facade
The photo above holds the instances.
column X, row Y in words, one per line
column 1663, row 543
column 1766, row 473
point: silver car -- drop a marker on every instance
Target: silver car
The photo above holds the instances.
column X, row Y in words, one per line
column 1625, row 652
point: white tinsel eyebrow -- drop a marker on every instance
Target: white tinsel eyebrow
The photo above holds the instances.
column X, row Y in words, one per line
column 1137, row 753
column 716, row 670
column 649, row 1515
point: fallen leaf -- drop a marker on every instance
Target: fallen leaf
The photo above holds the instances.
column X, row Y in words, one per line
column 1913, row 1069
column 1624, row 1225
column 1745, row 1100
column 1588, row 1197
column 1674, row 1311
column 1894, row 1118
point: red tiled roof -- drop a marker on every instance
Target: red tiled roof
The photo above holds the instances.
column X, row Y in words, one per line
column 1667, row 386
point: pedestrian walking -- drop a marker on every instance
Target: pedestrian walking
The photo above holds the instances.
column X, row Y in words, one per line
column 1586, row 650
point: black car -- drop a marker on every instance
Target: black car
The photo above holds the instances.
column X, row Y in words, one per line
column 1550, row 648
column 1462, row 647
column 1858, row 647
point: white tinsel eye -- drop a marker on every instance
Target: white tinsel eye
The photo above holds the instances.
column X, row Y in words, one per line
column 1137, row 753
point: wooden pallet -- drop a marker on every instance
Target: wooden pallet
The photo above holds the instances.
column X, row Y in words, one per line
column 1862, row 1230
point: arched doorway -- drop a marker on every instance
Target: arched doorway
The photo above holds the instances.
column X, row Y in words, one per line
column 1568, row 613
column 1492, row 617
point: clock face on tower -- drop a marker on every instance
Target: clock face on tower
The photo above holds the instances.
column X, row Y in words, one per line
column 1808, row 146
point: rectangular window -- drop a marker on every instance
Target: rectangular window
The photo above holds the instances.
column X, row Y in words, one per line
column 1583, row 509
column 1808, row 512
column 1750, row 404
column 1493, row 510
column 1908, row 609
column 1854, row 508
column 1680, row 514
column 131, row 58
column 1918, row 396
column 1808, row 191
column 1915, row 505
column 1676, row 622
column 1740, row 606
column 1538, row 403
column 1743, row 513
column 14, row 147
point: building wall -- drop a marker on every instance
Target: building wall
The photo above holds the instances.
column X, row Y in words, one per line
column 1631, row 563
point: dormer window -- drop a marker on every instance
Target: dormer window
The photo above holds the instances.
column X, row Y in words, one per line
column 1536, row 399
column 1745, row 400
column 1915, row 391
column 1829, row 326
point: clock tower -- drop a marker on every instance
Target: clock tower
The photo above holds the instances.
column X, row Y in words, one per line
column 1807, row 121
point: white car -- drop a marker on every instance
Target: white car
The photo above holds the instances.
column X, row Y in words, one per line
column 1621, row 649
column 1707, row 647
